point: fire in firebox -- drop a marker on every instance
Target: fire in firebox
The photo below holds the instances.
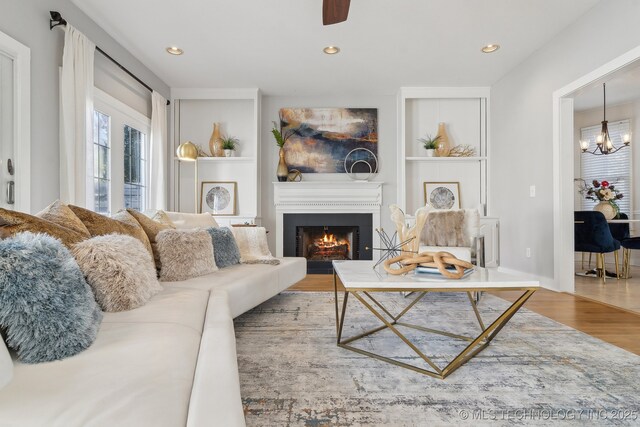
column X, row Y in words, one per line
column 328, row 247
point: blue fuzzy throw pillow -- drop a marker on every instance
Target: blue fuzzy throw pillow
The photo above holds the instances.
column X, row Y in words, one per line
column 46, row 307
column 225, row 248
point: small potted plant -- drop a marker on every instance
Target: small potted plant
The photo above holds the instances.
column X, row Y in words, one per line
column 229, row 144
column 430, row 144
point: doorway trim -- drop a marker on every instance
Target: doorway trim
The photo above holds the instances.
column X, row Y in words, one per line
column 21, row 56
column 563, row 168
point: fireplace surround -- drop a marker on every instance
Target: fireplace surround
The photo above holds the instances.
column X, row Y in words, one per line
column 351, row 198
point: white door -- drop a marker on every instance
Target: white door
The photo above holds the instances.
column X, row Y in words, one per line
column 7, row 134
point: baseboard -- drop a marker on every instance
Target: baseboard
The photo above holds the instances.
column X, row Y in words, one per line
column 545, row 282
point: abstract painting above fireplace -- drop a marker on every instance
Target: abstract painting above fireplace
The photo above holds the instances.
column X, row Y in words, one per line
column 322, row 238
column 323, row 137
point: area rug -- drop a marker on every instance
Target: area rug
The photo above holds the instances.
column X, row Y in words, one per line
column 536, row 372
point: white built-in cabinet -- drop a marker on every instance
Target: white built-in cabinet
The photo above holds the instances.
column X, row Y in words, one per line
column 238, row 111
column 465, row 112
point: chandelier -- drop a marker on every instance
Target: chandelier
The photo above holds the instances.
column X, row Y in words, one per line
column 604, row 145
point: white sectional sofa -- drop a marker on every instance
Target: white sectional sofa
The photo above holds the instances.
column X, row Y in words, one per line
column 171, row 362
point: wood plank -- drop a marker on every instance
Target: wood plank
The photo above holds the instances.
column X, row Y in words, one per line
column 615, row 326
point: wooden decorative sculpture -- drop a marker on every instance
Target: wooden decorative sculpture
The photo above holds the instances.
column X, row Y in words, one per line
column 439, row 260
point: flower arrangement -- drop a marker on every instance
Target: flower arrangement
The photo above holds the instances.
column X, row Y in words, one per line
column 602, row 191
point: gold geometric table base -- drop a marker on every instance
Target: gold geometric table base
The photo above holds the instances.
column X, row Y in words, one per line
column 476, row 344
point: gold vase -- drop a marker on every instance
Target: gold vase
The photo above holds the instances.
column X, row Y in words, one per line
column 215, row 142
column 443, row 142
column 283, row 170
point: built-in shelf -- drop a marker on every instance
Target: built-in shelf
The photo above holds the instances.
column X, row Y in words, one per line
column 445, row 159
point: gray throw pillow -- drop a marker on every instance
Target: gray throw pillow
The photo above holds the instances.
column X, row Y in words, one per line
column 46, row 306
column 225, row 247
column 119, row 269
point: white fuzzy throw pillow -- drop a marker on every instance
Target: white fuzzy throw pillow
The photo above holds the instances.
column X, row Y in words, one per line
column 119, row 269
column 185, row 254
column 252, row 242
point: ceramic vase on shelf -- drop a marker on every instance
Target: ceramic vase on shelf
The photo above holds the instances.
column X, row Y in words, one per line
column 430, row 152
column 608, row 209
column 229, row 153
column 215, row 143
column 443, row 142
column 283, row 170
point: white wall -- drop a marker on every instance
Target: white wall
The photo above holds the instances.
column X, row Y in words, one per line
column 28, row 22
column 521, row 129
column 387, row 151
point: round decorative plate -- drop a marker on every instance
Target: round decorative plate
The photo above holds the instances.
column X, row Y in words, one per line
column 218, row 198
column 442, row 198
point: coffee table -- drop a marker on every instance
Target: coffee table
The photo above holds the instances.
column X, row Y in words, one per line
column 362, row 281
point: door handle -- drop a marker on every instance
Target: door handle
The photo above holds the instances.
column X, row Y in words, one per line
column 10, row 192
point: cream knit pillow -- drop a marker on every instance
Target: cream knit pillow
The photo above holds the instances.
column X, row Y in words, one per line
column 252, row 242
column 185, row 254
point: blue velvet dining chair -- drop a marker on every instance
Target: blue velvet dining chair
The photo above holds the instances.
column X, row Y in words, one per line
column 628, row 244
column 593, row 234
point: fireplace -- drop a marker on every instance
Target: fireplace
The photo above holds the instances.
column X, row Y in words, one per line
column 322, row 238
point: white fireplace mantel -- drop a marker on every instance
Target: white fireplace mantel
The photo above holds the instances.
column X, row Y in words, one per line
column 326, row 197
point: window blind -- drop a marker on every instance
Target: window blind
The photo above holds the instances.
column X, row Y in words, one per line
column 615, row 168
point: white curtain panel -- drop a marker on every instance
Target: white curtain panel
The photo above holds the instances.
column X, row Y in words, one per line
column 158, row 153
column 76, row 117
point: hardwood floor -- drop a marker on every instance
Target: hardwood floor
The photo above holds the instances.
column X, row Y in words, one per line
column 623, row 293
column 613, row 325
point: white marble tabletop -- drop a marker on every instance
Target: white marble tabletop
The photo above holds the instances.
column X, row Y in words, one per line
column 360, row 275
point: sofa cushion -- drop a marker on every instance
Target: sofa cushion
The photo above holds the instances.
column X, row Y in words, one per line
column 119, row 270
column 121, row 223
column 172, row 305
column 17, row 222
column 185, row 221
column 59, row 213
column 135, row 374
column 6, row 364
column 185, row 254
column 46, row 307
column 249, row 285
column 225, row 248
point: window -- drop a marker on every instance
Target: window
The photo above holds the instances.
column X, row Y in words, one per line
column 101, row 156
column 134, row 168
column 615, row 168
column 120, row 151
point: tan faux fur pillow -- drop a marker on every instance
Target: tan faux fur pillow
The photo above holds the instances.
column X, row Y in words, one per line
column 185, row 254
column 449, row 228
column 119, row 269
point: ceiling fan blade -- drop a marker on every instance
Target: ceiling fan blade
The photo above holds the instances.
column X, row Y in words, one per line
column 334, row 11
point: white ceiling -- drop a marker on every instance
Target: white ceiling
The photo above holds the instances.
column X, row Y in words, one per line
column 276, row 45
column 622, row 86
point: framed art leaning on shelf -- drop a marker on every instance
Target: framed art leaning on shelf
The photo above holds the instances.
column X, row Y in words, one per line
column 218, row 197
column 442, row 195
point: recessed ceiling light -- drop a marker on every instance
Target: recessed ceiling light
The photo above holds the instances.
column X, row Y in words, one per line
column 173, row 50
column 490, row 48
column 331, row 50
